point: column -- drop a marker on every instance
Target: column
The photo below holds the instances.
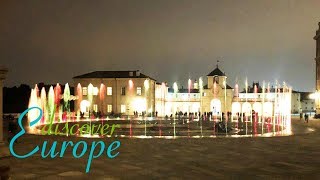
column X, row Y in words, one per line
column 317, row 59
column 4, row 151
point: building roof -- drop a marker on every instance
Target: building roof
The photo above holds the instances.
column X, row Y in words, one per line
column 272, row 90
column 113, row 74
column 216, row 72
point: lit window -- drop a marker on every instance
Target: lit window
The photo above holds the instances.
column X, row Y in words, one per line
column 109, row 91
column 84, row 91
column 123, row 108
column 204, row 94
column 109, row 108
column 123, row 91
column 139, row 91
column 95, row 108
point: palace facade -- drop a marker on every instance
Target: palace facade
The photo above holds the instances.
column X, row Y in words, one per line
column 131, row 92
column 212, row 95
column 128, row 92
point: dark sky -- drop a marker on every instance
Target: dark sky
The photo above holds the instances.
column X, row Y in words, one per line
column 170, row 40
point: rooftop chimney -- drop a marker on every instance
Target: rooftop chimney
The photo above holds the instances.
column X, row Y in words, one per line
column 137, row 73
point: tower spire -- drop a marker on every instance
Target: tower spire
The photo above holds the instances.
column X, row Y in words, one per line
column 218, row 63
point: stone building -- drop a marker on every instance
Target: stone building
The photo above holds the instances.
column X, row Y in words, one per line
column 307, row 103
column 265, row 101
column 127, row 92
column 182, row 100
column 296, row 102
column 215, row 96
column 117, row 92
column 317, row 59
column 161, row 94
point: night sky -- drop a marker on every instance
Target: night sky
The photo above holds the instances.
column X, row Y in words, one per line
column 170, row 40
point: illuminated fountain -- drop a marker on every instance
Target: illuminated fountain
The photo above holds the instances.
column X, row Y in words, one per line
column 236, row 107
column 264, row 113
column 51, row 105
column 79, row 95
column 33, row 102
column 43, row 105
column 102, row 93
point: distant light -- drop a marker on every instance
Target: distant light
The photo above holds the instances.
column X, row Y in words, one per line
column 83, row 105
column 314, row 95
column 139, row 104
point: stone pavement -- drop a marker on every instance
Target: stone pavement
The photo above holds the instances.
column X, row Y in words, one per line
column 290, row 157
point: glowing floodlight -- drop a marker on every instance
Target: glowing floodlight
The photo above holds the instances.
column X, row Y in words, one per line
column 139, row 104
column 314, row 95
column 130, row 84
column 83, row 105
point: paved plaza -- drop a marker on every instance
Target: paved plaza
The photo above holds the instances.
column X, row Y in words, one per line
column 289, row 157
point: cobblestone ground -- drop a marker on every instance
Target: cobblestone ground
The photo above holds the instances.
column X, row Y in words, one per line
column 291, row 157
